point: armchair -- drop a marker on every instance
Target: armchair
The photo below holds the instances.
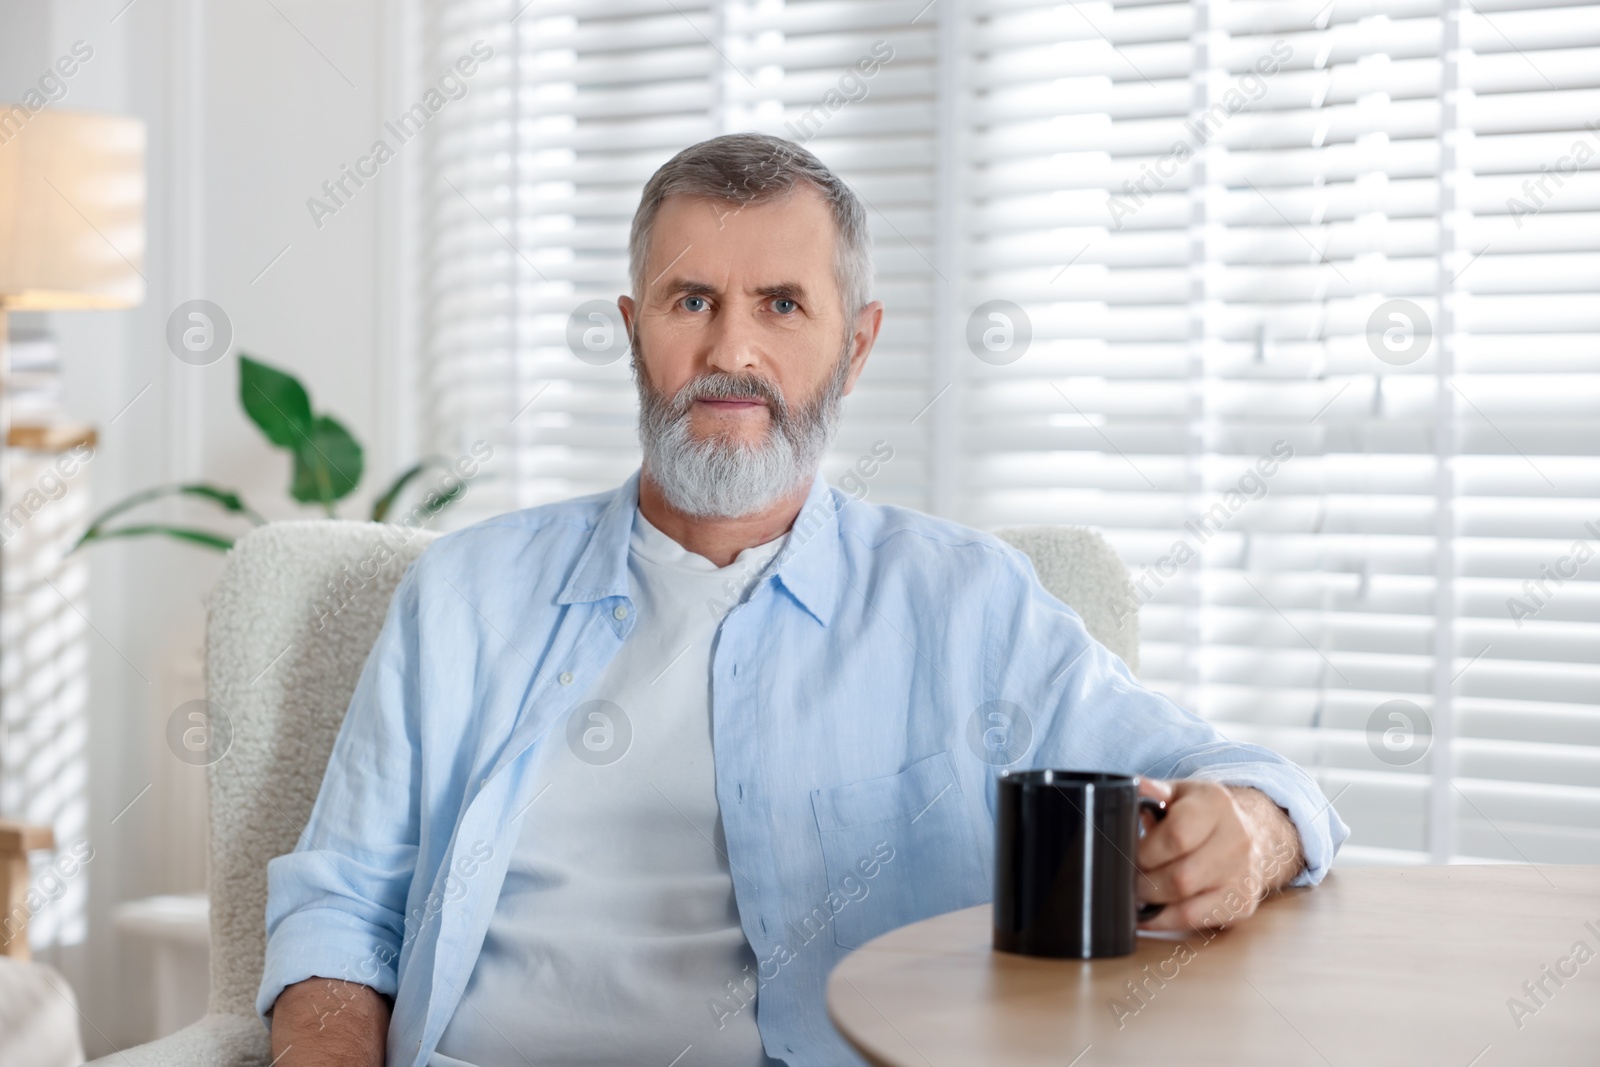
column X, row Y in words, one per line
column 293, row 616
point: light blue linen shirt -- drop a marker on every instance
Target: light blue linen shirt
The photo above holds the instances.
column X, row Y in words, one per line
column 851, row 694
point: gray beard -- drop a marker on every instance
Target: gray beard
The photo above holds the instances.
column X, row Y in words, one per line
column 727, row 479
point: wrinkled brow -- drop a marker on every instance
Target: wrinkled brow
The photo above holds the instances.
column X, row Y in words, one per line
column 789, row 290
column 678, row 287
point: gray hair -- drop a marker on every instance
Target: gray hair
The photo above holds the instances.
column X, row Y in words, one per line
column 754, row 168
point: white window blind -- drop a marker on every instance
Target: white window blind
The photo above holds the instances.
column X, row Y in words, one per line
column 533, row 179
column 44, row 649
column 1340, row 259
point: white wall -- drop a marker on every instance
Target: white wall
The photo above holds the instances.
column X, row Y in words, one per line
column 248, row 111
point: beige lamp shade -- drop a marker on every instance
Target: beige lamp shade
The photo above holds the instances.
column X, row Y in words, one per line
column 72, row 193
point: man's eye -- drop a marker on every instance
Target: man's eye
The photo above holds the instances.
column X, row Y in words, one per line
column 784, row 306
column 694, row 303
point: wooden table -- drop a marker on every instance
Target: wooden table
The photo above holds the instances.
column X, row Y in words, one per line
column 1393, row 965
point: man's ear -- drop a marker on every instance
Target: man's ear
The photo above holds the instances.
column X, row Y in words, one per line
column 869, row 320
column 629, row 311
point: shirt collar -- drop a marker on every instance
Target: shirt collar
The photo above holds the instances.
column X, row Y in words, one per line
column 602, row 569
column 807, row 565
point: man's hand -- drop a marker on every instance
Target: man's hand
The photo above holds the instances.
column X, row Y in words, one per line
column 322, row 1022
column 1219, row 851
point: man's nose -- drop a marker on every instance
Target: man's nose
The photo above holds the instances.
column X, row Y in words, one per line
column 734, row 346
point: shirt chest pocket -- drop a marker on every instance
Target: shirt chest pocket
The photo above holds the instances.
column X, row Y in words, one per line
column 898, row 849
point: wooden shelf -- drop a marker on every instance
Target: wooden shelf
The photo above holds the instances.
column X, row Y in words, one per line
column 56, row 437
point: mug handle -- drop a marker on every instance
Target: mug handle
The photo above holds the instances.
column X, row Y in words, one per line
column 1157, row 808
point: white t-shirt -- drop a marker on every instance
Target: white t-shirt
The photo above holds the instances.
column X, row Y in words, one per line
column 616, row 930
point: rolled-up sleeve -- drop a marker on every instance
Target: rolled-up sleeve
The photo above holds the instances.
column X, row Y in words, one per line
column 1091, row 714
column 336, row 904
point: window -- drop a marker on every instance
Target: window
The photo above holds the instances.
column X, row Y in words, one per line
column 44, row 642
column 1295, row 301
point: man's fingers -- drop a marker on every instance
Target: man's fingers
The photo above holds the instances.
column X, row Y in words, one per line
column 1201, row 870
column 1192, row 817
column 1211, row 910
column 1200, row 861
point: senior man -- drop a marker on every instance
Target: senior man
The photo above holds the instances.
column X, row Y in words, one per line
column 625, row 776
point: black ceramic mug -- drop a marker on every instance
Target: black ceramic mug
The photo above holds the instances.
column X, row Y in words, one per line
column 1066, row 843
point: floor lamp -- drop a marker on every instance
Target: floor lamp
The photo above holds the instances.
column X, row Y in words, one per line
column 72, row 193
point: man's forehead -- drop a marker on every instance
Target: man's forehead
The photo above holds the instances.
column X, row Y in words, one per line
column 762, row 247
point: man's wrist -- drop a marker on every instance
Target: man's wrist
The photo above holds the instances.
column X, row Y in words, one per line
column 1278, row 855
column 325, row 1021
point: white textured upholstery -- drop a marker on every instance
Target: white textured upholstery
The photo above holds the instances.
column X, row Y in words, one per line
column 38, row 1017
column 1082, row 570
column 293, row 615
column 282, row 660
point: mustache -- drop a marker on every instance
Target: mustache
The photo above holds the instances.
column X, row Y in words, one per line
column 720, row 385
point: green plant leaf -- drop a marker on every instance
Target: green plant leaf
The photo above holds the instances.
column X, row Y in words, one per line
column 227, row 499
column 220, row 542
column 382, row 505
column 327, row 464
column 276, row 402
column 433, row 502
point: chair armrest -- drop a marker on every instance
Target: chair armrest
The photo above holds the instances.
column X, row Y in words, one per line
column 214, row 1041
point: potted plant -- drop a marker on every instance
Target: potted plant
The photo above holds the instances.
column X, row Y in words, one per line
column 328, row 465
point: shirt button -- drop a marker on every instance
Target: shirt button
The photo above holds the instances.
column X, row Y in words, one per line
column 619, row 612
column 566, row 678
